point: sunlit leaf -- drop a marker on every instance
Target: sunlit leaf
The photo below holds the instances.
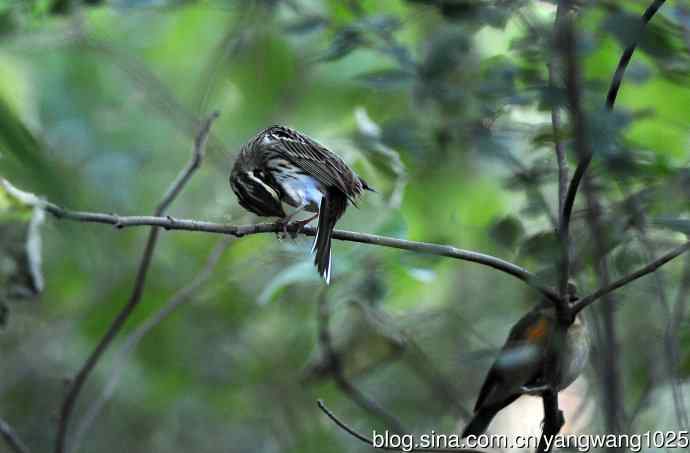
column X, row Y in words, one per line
column 21, row 275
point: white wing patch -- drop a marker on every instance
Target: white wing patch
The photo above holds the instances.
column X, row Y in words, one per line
column 268, row 188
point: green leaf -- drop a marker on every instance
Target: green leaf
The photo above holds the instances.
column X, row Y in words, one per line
column 306, row 25
column 387, row 78
column 507, row 231
column 542, row 247
column 344, row 42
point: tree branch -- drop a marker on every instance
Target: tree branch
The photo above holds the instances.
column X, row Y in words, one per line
column 627, row 55
column 584, row 153
column 671, row 354
column 584, row 156
column 11, row 438
column 559, row 149
column 553, row 419
column 609, row 366
column 562, row 162
column 181, row 297
column 137, row 291
column 170, row 223
column 648, row 269
column 361, row 437
column 335, row 368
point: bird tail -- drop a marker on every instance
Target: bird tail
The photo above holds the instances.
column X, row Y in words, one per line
column 480, row 422
column 333, row 205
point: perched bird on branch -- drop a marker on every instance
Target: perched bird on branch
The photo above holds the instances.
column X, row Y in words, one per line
column 533, row 359
column 281, row 166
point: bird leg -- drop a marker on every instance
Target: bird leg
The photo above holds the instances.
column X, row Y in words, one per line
column 302, row 223
column 283, row 229
column 285, row 222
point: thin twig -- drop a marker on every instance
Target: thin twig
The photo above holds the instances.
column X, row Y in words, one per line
column 586, row 157
column 137, row 291
column 507, row 267
column 180, row 298
column 559, row 149
column 11, row 438
column 170, row 223
column 333, row 359
column 671, row 353
column 647, row 269
column 157, row 94
column 628, row 53
column 611, row 383
column 438, row 384
column 553, row 416
column 562, row 163
column 361, row 437
column 193, row 164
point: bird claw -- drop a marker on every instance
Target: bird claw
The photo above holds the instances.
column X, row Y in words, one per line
column 293, row 229
column 283, row 229
column 299, row 226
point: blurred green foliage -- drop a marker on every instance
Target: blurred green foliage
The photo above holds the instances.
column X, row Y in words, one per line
column 443, row 105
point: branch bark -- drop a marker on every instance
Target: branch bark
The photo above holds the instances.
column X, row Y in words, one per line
column 338, row 375
column 180, row 298
column 647, row 269
column 170, row 223
column 586, row 157
column 507, row 267
column 119, row 321
column 612, row 384
column 553, row 420
column 670, row 355
column 12, row 439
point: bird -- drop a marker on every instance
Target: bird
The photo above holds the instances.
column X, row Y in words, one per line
column 280, row 166
column 521, row 364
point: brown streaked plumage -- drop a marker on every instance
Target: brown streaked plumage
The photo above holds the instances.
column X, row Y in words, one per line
column 282, row 166
column 521, row 363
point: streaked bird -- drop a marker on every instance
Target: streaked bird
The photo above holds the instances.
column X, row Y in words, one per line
column 280, row 167
column 522, row 363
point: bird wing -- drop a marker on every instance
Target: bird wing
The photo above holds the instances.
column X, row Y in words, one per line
column 313, row 158
column 520, row 361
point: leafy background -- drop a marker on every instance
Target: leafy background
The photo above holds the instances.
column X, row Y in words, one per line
column 444, row 106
